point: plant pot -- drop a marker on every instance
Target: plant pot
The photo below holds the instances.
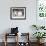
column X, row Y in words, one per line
column 40, row 41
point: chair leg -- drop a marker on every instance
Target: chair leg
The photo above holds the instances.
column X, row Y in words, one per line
column 5, row 43
column 5, row 40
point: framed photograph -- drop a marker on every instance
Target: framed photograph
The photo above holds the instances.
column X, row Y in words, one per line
column 18, row 13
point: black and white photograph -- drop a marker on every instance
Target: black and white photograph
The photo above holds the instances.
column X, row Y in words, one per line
column 18, row 13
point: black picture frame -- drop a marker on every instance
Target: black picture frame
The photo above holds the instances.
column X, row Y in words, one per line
column 18, row 13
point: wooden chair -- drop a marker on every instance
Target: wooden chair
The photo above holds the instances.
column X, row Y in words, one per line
column 8, row 34
column 25, row 36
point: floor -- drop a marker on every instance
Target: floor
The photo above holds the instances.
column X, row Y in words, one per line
column 13, row 44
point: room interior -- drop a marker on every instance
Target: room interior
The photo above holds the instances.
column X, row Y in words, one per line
column 22, row 22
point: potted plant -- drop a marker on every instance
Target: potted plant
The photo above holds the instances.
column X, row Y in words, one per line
column 39, row 35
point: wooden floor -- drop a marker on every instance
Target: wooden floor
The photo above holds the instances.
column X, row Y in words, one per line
column 13, row 44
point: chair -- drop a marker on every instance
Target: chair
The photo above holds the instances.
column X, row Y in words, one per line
column 26, row 41
column 7, row 35
column 14, row 32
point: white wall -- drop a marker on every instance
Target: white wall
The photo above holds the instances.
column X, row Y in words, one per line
column 24, row 25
